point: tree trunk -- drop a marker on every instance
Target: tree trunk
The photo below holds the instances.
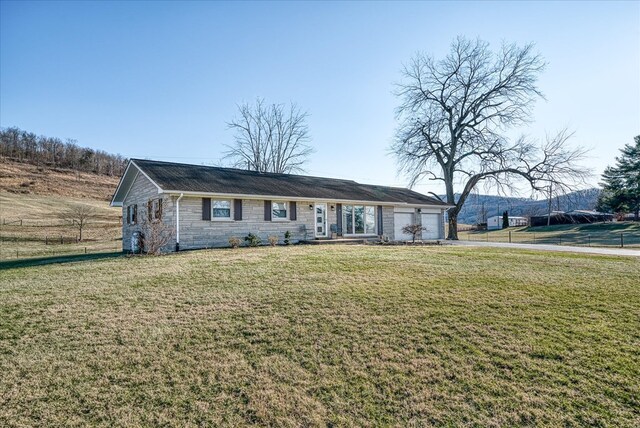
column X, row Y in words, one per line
column 453, row 224
column 80, row 234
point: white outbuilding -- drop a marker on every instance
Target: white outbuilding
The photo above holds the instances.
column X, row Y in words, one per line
column 495, row 222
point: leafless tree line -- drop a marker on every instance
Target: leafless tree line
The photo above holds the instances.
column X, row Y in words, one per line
column 24, row 146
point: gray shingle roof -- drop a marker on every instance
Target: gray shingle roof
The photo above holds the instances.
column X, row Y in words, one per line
column 198, row 178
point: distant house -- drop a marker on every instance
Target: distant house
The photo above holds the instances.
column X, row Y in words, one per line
column 495, row 222
column 205, row 206
column 571, row 217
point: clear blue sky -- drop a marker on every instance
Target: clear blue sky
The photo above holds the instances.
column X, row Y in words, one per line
column 160, row 80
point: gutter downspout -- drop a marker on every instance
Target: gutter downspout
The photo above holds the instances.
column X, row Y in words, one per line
column 178, row 222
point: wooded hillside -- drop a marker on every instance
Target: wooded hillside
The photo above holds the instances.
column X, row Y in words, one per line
column 23, row 146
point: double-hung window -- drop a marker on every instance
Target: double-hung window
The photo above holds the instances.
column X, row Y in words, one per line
column 221, row 210
column 279, row 210
column 358, row 219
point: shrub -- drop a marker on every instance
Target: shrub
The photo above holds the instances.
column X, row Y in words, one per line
column 157, row 235
column 413, row 230
column 287, row 238
column 234, row 242
column 253, row 240
column 273, row 240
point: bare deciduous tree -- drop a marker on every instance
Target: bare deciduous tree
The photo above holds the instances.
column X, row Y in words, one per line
column 453, row 116
column 79, row 216
column 270, row 138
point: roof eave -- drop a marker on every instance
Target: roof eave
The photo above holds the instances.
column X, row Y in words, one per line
column 302, row 198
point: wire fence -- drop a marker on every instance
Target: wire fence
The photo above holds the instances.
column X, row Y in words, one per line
column 576, row 238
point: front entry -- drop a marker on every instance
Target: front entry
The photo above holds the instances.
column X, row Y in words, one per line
column 321, row 220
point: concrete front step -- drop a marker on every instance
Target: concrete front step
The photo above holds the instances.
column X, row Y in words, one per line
column 328, row 241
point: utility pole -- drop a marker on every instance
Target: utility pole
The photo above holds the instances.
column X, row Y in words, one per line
column 550, row 201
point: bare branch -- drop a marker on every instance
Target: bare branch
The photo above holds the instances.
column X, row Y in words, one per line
column 269, row 139
column 454, row 113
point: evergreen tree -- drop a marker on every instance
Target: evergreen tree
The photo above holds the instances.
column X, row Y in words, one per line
column 505, row 219
column 621, row 183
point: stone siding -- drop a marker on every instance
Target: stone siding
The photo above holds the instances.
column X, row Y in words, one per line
column 140, row 193
column 387, row 222
column 198, row 233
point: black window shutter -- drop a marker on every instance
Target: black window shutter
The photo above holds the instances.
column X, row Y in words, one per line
column 339, row 218
column 267, row 210
column 128, row 214
column 206, row 208
column 293, row 212
column 135, row 214
column 380, row 222
column 237, row 209
column 149, row 210
column 159, row 213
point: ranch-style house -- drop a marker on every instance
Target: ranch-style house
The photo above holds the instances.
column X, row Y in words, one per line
column 204, row 206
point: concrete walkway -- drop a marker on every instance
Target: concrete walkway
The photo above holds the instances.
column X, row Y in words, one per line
column 545, row 247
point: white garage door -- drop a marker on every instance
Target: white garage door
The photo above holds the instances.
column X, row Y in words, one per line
column 401, row 220
column 430, row 221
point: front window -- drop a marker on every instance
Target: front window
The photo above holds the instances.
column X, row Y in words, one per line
column 221, row 209
column 279, row 210
column 358, row 219
column 370, row 220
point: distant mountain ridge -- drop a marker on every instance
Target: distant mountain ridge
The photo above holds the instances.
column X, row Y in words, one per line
column 478, row 208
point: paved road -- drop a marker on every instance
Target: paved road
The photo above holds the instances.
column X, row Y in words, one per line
column 544, row 247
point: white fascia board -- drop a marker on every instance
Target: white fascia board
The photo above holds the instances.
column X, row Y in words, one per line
column 126, row 171
column 119, row 204
column 300, row 198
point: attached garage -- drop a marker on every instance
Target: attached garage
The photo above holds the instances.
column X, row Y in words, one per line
column 431, row 222
column 400, row 220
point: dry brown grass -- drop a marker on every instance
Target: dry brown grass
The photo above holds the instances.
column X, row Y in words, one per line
column 323, row 336
column 36, row 196
column 26, row 179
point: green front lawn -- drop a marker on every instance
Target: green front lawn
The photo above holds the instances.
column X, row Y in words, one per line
column 323, row 336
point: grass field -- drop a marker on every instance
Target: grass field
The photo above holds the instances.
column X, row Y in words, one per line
column 594, row 235
column 323, row 336
column 31, row 199
column 28, row 222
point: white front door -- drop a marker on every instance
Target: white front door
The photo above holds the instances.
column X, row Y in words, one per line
column 321, row 220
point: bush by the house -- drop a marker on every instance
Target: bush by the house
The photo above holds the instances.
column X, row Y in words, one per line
column 234, row 242
column 157, row 235
column 287, row 238
column 273, row 240
column 413, row 230
column 253, row 240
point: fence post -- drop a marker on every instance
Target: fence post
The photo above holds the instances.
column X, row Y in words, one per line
column 46, row 240
column 509, row 237
column 85, row 250
column 61, row 240
column 622, row 240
